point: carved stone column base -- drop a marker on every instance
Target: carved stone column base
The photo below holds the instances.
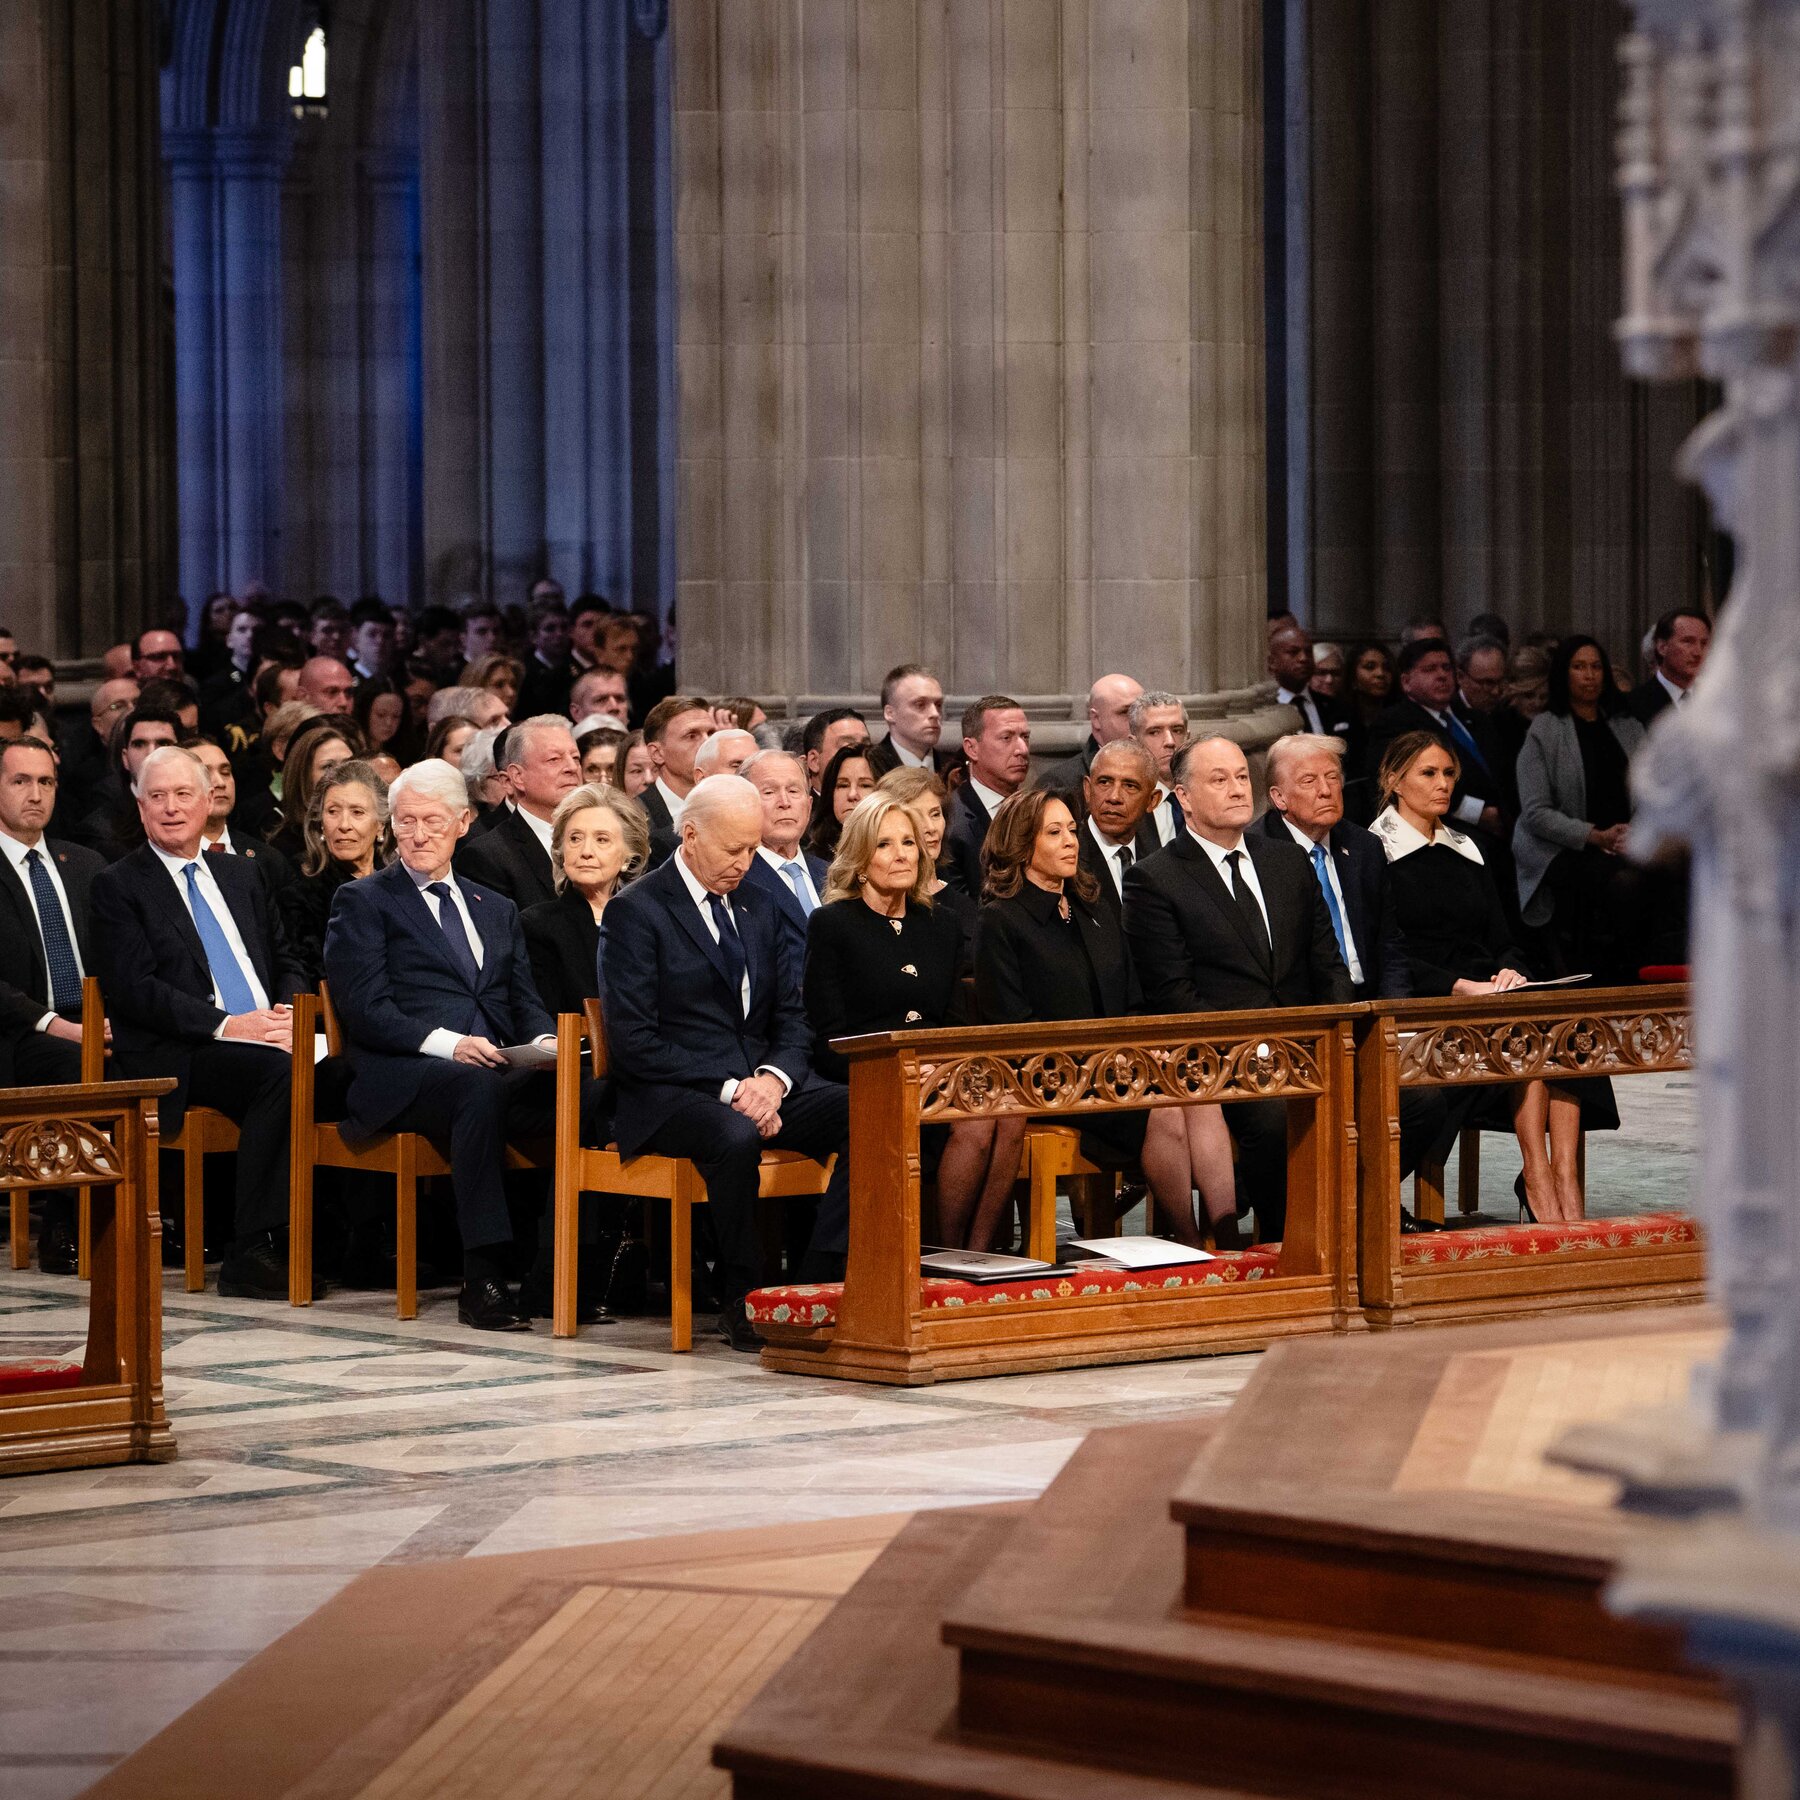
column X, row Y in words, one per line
column 1672, row 1461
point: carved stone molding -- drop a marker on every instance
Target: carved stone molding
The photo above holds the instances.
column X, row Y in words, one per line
column 1134, row 1075
column 56, row 1153
column 1528, row 1049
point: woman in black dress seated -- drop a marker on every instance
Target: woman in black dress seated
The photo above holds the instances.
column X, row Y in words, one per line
column 1458, row 942
column 346, row 838
column 1046, row 949
column 1574, row 808
column 849, row 777
column 882, row 956
column 923, row 793
column 599, row 840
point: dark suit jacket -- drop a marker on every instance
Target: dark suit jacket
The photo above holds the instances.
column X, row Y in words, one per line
column 1193, row 950
column 675, row 1028
column 884, row 759
column 545, row 688
column 1488, row 785
column 1066, row 777
column 563, row 939
column 393, row 982
column 269, row 862
column 153, row 970
column 1025, row 968
column 1362, row 872
column 787, row 908
column 508, row 858
column 24, row 976
column 960, row 863
column 657, row 808
column 1647, row 700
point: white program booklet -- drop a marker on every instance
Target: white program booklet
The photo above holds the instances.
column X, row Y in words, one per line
column 529, row 1056
column 1141, row 1252
column 979, row 1265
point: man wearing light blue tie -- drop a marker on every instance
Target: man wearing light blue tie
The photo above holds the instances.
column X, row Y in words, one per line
column 197, row 976
column 793, row 878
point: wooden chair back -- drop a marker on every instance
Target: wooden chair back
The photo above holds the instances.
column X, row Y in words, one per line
column 334, row 1032
column 93, row 1032
column 595, row 1020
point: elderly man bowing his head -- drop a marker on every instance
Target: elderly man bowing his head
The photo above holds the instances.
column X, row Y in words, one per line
column 709, row 1043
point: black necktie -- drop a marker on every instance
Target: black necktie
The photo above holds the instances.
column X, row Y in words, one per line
column 731, row 944
column 1246, row 904
column 1124, row 858
column 455, row 936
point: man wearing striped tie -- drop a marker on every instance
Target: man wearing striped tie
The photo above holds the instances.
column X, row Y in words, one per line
column 43, row 954
column 792, row 877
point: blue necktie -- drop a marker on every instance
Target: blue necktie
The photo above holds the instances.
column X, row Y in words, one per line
column 1465, row 741
column 796, row 874
column 227, row 972
column 59, row 952
column 731, row 944
column 1331, row 905
column 455, row 937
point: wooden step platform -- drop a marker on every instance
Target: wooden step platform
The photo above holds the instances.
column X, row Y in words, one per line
column 1366, row 1583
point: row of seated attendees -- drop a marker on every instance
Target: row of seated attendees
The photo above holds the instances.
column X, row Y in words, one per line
column 737, row 903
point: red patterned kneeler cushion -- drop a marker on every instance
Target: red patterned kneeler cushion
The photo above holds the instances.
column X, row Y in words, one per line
column 814, row 1308
column 37, row 1378
column 1486, row 1242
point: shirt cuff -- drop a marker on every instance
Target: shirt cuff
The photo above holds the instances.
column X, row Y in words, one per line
column 219, row 1029
column 727, row 1091
column 1469, row 810
column 440, row 1043
column 787, row 1086
column 45, row 1022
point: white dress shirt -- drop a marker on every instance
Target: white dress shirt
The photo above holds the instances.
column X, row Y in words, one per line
column 1162, row 814
column 15, row 853
column 441, row 1040
column 907, row 759
column 702, row 898
column 214, row 897
column 1219, row 853
column 986, row 795
column 676, row 804
column 1110, row 855
column 540, row 827
column 779, row 865
column 1351, row 959
column 1305, row 705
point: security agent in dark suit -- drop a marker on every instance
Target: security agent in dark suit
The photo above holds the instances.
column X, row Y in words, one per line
column 792, row 877
column 512, row 857
column 432, row 982
column 996, row 738
column 1306, row 809
column 710, row 1048
column 44, row 953
column 1116, row 828
column 196, row 974
column 1427, row 674
column 1679, row 641
column 1224, row 921
column 674, row 730
column 1290, row 666
column 912, row 706
column 1108, row 715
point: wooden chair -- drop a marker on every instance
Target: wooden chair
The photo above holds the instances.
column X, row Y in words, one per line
column 405, row 1156
column 1051, row 1153
column 581, row 1169
column 93, row 1069
column 1428, row 1178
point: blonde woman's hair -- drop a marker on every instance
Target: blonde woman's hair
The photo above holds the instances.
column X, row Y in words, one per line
column 634, row 827
column 909, row 786
column 856, row 847
column 1403, row 752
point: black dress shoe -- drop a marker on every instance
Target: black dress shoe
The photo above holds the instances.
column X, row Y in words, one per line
column 1409, row 1225
column 537, row 1300
column 487, row 1305
column 174, row 1248
column 258, row 1270
column 58, row 1250
column 738, row 1332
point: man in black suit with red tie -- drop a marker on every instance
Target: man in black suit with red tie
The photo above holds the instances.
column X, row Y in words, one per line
column 197, row 977
column 45, row 950
column 711, row 1053
column 1225, row 921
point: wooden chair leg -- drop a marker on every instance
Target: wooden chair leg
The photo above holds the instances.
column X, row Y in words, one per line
column 681, row 1257
column 1040, row 1211
column 566, row 1256
column 300, row 1227
column 84, row 1233
column 21, row 1229
column 1428, row 1192
column 193, row 1217
column 1581, row 1168
column 406, row 1234
column 1468, row 1171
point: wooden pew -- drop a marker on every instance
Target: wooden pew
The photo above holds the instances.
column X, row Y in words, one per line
column 884, row 1331
column 1489, row 1040
column 102, row 1136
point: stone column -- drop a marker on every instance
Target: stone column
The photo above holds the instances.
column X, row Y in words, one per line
column 86, row 512
column 391, row 356
column 969, row 345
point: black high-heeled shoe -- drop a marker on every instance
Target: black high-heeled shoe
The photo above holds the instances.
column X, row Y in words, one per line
column 1526, row 1215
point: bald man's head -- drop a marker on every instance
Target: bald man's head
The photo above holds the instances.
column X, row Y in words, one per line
column 1109, row 707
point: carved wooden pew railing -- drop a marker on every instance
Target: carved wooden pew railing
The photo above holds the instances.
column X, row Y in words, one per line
column 102, row 1137
column 1544, row 1033
column 1062, row 1072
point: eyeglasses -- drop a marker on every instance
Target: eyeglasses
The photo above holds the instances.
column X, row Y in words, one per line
column 405, row 826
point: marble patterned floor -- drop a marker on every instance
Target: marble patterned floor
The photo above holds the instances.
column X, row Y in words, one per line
column 316, row 1444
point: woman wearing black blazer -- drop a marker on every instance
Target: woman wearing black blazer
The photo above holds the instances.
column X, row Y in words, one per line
column 1045, row 949
column 881, row 955
column 922, row 792
column 599, row 839
column 346, row 838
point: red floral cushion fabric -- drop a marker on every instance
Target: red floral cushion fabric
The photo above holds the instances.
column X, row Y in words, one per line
column 811, row 1308
column 1485, row 1242
column 37, row 1378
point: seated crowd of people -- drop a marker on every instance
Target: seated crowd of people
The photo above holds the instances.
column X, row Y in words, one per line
column 467, row 825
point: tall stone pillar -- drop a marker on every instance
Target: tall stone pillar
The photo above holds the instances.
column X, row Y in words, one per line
column 85, row 504
column 389, row 516
column 969, row 345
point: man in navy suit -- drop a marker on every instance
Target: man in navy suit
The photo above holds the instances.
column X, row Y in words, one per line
column 45, row 949
column 792, row 877
column 432, row 982
column 197, row 976
column 710, row 1049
